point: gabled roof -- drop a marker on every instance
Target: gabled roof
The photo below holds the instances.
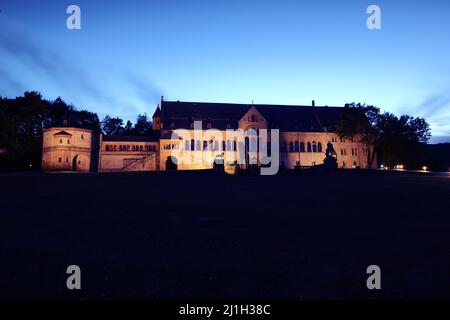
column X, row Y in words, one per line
column 178, row 114
column 62, row 133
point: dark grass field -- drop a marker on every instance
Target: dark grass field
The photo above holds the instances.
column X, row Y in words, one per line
column 184, row 235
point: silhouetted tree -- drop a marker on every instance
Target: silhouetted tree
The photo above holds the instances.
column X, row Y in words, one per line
column 398, row 140
column 143, row 126
column 112, row 126
column 128, row 130
column 360, row 120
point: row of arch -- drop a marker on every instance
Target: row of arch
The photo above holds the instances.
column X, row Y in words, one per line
column 295, row 146
column 114, row 147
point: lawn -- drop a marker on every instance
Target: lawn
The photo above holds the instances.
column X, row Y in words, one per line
column 195, row 235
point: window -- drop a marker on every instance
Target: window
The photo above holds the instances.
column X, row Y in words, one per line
column 216, row 145
column 319, row 147
column 302, row 147
column 133, row 148
column 60, row 160
column 253, row 118
column 283, row 146
column 107, row 148
column 60, row 140
column 291, row 146
column 198, row 145
column 228, row 145
column 186, row 145
column 68, row 141
column 314, row 146
column 223, row 145
column 82, row 137
column 192, row 145
column 234, row 145
column 141, row 148
column 205, row 144
column 309, row 146
column 296, row 146
column 210, row 145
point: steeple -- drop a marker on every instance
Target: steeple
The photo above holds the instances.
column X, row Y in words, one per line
column 156, row 119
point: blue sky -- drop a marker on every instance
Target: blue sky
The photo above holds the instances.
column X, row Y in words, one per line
column 129, row 53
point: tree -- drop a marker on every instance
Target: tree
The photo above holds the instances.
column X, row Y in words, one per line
column 143, row 126
column 128, row 130
column 112, row 126
column 398, row 140
column 360, row 120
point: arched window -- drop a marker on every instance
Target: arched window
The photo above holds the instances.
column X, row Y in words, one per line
column 198, row 146
column 296, row 146
column 133, row 148
column 223, row 145
column 319, row 147
column 210, row 145
column 302, row 147
column 314, row 146
column 107, row 147
column 234, row 145
column 141, row 148
column 205, row 145
column 228, row 145
column 216, row 145
column 186, row 144
column 192, row 144
column 309, row 146
column 253, row 118
column 291, row 146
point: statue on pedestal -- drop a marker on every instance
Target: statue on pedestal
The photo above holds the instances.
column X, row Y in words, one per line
column 330, row 161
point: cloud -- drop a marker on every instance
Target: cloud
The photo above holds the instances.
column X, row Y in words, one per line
column 97, row 87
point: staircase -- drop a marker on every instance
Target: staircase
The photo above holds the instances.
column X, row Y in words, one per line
column 140, row 164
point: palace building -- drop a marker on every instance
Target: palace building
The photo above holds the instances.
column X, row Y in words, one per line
column 304, row 132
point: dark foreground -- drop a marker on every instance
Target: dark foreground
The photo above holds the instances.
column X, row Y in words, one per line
column 191, row 236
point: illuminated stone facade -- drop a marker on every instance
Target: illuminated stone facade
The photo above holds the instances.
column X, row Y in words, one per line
column 304, row 132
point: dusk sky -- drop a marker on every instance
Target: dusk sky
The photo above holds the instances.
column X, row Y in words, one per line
column 129, row 53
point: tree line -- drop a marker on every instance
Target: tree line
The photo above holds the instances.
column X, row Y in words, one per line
column 396, row 140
